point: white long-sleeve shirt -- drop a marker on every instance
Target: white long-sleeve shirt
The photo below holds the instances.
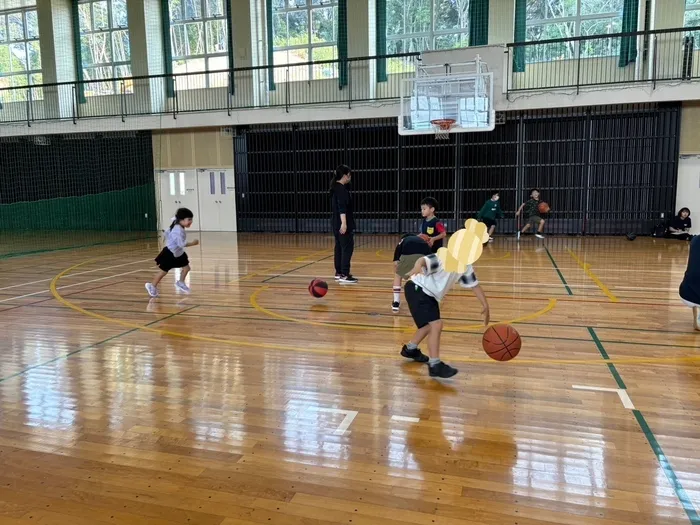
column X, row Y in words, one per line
column 176, row 240
column 436, row 281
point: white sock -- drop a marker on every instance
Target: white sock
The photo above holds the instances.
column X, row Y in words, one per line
column 397, row 294
column 433, row 361
column 411, row 346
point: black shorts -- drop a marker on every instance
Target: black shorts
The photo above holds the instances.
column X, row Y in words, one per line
column 488, row 222
column 424, row 308
column 411, row 245
column 166, row 261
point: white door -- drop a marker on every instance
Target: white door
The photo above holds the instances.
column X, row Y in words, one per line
column 178, row 189
column 217, row 199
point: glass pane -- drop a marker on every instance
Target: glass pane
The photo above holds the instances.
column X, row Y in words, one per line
column 193, row 9
column 16, row 24
column 97, row 86
column 296, row 3
column 195, row 38
column 221, row 79
column 5, row 65
column 190, row 66
column 322, row 71
column 182, row 183
column 172, row 184
column 84, row 17
column 298, row 23
column 119, row 14
column 293, row 73
column 175, row 10
column 32, row 25
column 408, row 45
column 689, row 3
column 451, row 14
column 324, row 2
column 402, row 17
column 20, row 81
column 215, row 7
column 596, row 7
column 122, row 71
column 3, row 29
column 18, row 57
column 452, row 41
column 323, row 25
column 222, row 175
column 96, row 49
column 34, row 52
column 178, row 40
column 548, row 9
column 217, row 36
column 36, row 79
column 120, row 46
column 279, row 30
column 546, row 52
column 278, row 4
column 100, row 20
column 212, row 183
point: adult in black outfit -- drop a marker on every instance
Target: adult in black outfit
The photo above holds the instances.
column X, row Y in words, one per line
column 343, row 224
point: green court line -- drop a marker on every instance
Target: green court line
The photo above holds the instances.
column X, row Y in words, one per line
column 561, row 276
column 93, row 345
column 78, row 247
column 665, row 464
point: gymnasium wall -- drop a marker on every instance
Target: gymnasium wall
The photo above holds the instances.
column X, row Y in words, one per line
column 192, row 148
column 688, row 192
column 78, row 182
column 604, row 170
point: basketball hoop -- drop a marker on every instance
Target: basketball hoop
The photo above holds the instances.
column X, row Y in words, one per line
column 442, row 127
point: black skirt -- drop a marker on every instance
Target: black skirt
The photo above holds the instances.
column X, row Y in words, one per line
column 166, row 261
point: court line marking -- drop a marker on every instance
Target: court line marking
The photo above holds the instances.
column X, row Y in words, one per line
column 78, row 273
column 587, row 269
column 69, row 286
column 561, row 276
column 407, row 419
column 361, row 326
column 335, row 352
column 664, row 463
column 621, row 392
column 350, row 416
column 298, row 259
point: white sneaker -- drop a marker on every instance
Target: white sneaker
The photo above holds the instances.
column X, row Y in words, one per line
column 696, row 315
column 490, row 239
column 517, row 236
column 182, row 287
column 152, row 290
column 539, row 236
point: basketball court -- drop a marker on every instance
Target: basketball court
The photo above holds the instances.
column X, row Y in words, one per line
column 251, row 402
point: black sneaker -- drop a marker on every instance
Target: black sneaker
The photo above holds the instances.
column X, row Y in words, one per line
column 442, row 370
column 338, row 276
column 416, row 355
column 395, row 306
column 347, row 279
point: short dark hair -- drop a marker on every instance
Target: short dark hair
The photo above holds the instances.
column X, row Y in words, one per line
column 682, row 210
column 430, row 202
column 495, row 192
column 535, row 189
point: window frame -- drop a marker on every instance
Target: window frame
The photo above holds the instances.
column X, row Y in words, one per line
column 309, row 7
column 433, row 33
column 577, row 21
column 203, row 20
column 37, row 93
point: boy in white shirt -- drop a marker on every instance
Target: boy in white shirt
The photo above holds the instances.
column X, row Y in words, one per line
column 428, row 285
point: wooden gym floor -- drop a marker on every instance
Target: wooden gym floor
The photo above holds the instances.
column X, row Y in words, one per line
column 249, row 402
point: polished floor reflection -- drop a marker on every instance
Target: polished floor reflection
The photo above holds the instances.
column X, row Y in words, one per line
column 250, row 402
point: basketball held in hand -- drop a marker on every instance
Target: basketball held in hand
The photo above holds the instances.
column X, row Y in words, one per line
column 318, row 288
column 425, row 237
column 543, row 207
column 501, row 342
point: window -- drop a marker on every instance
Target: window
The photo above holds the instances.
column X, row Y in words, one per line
column 692, row 18
column 20, row 53
column 104, row 46
column 422, row 25
column 199, row 40
column 551, row 19
column 305, row 31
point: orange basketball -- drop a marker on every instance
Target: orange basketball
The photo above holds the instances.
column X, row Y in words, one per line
column 318, row 288
column 425, row 237
column 543, row 207
column 501, row 342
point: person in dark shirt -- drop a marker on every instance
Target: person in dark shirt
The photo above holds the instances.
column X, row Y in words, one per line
column 532, row 215
column 679, row 227
column 343, row 224
column 689, row 289
column 490, row 212
column 431, row 227
column 410, row 245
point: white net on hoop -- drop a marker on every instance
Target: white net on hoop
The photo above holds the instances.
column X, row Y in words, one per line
column 442, row 128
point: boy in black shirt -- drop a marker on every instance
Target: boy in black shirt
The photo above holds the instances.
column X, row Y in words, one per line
column 690, row 287
column 532, row 215
column 679, row 227
column 431, row 226
column 343, row 224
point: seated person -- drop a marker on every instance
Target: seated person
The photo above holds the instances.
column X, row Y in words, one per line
column 690, row 287
column 679, row 227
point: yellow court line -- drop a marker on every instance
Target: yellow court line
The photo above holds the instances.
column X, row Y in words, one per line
column 266, row 270
column 359, row 326
column 334, row 352
column 587, row 269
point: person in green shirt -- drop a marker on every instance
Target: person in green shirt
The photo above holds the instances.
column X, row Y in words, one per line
column 490, row 212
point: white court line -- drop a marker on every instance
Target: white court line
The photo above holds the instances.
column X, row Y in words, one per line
column 621, row 392
column 406, row 419
column 72, row 274
column 350, row 416
column 69, row 286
